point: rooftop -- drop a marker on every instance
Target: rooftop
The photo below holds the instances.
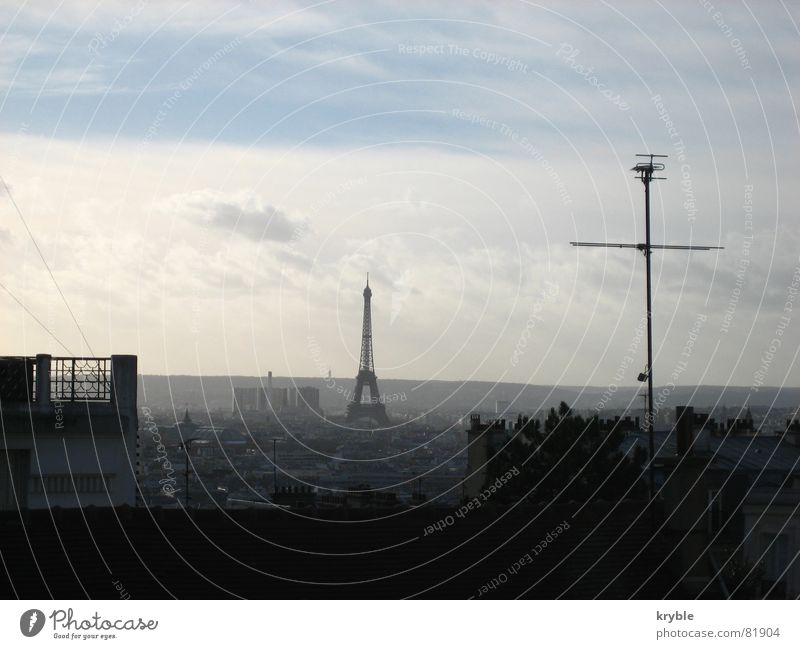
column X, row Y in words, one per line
column 731, row 452
column 36, row 384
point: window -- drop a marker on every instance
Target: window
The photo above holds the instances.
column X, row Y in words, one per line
column 81, row 483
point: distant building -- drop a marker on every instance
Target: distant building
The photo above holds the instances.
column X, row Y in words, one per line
column 295, row 496
column 288, row 400
column 729, row 498
column 186, row 427
column 741, row 426
column 70, row 432
column 792, row 432
column 244, row 400
column 625, row 425
column 278, row 399
column 262, row 399
column 307, row 398
column 269, row 398
column 484, row 439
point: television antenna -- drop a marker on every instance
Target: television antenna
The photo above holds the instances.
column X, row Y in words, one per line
column 645, row 170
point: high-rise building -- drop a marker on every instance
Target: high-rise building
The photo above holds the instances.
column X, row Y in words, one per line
column 244, row 400
column 307, row 398
column 279, row 399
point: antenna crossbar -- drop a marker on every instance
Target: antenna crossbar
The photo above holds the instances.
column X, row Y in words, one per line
column 641, row 246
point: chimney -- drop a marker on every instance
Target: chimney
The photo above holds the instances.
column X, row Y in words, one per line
column 684, row 425
column 792, row 435
column 269, row 382
column 43, row 379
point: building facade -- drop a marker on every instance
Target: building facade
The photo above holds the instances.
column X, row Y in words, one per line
column 484, row 439
column 69, row 432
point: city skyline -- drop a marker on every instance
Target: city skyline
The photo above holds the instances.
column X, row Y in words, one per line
column 210, row 192
column 329, row 300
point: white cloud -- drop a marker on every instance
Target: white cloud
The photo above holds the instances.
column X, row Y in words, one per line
column 242, row 214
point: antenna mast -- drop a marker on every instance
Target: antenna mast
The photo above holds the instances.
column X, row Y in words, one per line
column 644, row 171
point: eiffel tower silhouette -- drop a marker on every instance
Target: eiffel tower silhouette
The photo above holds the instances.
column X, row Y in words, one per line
column 373, row 409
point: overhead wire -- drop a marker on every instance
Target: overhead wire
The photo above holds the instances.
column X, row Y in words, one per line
column 49, row 271
column 33, row 315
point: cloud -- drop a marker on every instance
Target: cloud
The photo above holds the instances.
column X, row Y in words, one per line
column 242, row 213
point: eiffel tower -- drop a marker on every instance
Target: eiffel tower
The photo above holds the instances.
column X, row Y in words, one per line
column 373, row 409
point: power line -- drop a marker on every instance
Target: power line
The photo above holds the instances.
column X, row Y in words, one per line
column 33, row 315
column 47, row 266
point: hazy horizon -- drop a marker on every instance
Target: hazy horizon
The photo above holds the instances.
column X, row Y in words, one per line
column 278, row 377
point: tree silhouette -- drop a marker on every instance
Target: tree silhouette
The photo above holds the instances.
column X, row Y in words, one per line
column 571, row 460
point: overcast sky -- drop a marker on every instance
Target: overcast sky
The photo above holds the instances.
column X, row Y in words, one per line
column 211, row 182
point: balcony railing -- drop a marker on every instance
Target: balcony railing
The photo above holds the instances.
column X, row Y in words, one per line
column 80, row 379
column 39, row 382
column 25, row 379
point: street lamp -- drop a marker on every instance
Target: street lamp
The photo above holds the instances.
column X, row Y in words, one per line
column 275, row 441
column 186, row 447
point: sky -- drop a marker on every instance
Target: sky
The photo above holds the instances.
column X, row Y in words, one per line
column 210, row 183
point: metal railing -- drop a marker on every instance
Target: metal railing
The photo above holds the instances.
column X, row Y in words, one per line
column 80, row 379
